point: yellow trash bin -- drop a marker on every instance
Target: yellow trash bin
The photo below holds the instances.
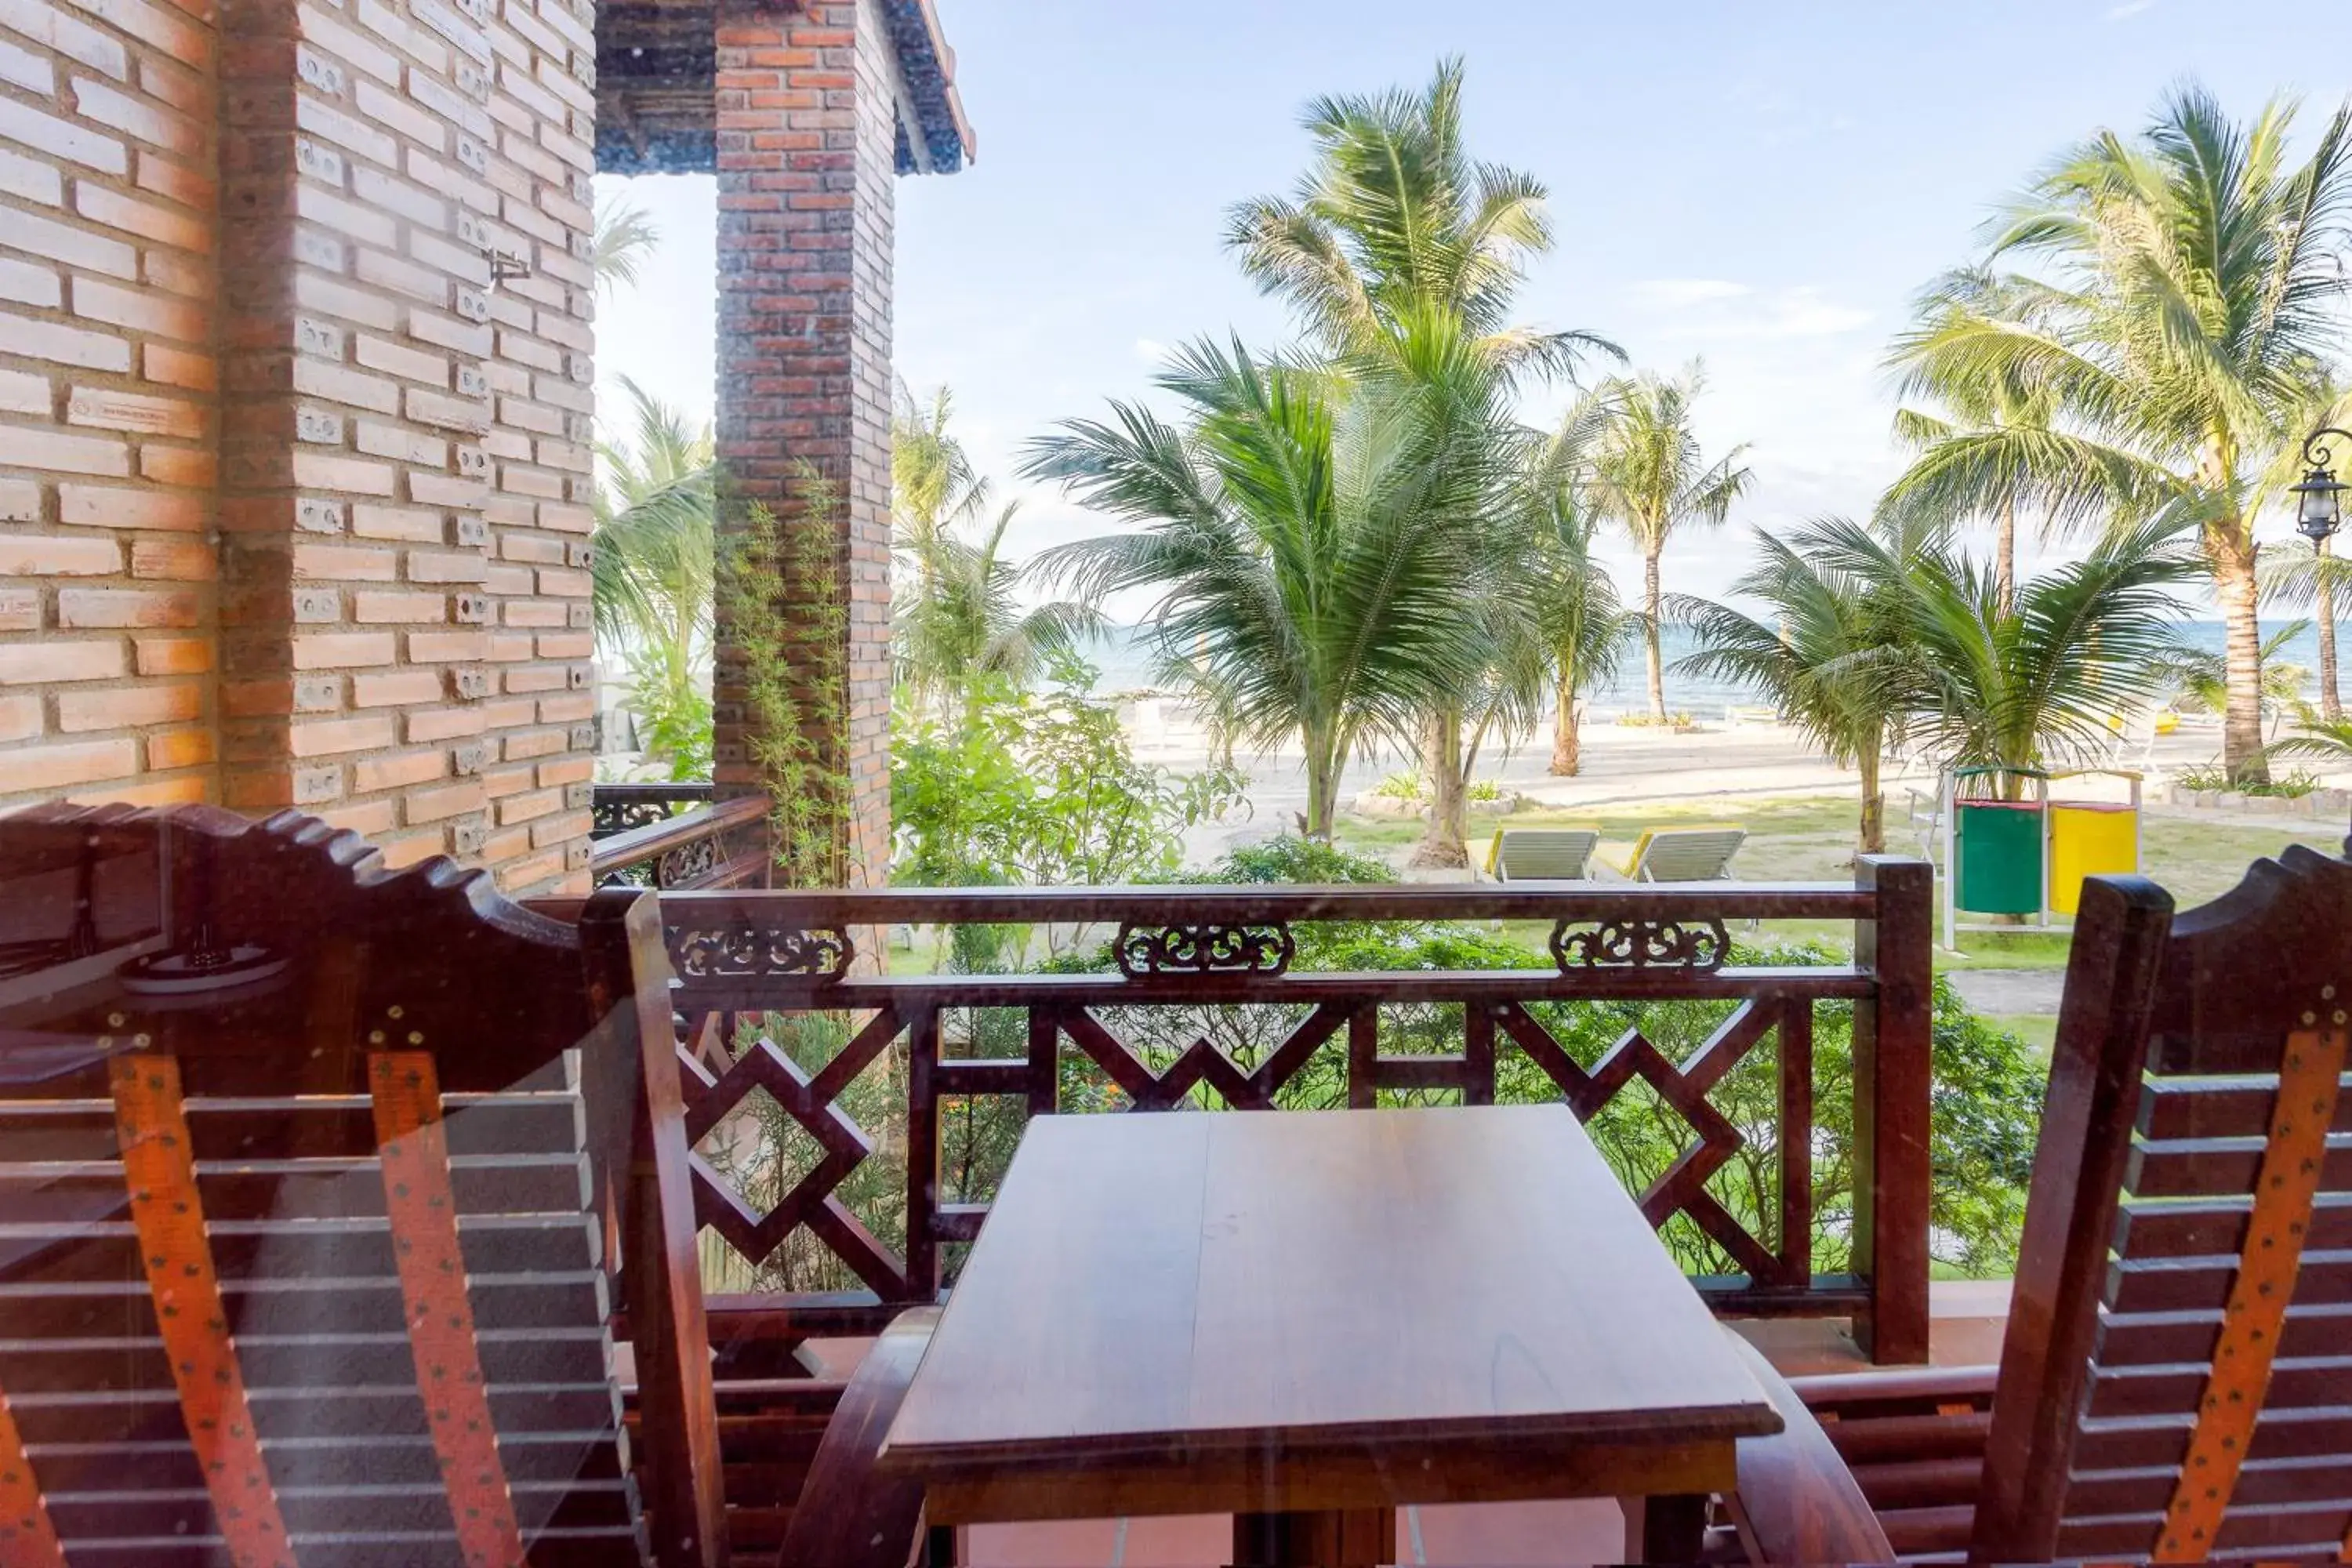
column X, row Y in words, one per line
column 2088, row 838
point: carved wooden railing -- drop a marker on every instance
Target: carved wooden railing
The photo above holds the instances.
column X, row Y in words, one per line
column 674, row 838
column 747, row 963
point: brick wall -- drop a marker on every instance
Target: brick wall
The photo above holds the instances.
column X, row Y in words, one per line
column 107, row 565
column 378, row 529
column 806, row 149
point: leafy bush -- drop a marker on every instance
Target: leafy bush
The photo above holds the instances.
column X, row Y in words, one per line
column 2212, row 776
column 1486, row 789
column 1402, row 786
column 1039, row 788
column 1290, row 858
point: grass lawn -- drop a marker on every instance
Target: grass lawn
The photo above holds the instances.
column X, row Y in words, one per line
column 1810, row 839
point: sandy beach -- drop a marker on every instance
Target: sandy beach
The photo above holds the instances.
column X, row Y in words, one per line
column 1632, row 765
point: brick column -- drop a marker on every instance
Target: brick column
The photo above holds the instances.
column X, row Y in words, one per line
column 807, row 156
column 405, row 439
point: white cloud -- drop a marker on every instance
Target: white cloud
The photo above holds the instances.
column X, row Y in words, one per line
column 2128, row 9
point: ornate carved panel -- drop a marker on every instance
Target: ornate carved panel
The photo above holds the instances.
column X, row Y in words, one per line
column 1204, row 950
column 744, row 951
column 1635, row 942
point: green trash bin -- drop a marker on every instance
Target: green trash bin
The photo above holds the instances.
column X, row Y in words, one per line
column 1998, row 846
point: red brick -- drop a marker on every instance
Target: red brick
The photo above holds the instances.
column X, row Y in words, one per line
column 22, row 124
column 440, row 566
column 89, row 506
column 398, row 771
column 444, row 648
column 140, row 312
column 25, row 663
column 150, row 122
column 21, row 392
column 194, row 467
column 377, row 607
column 146, row 219
column 173, row 655
column 326, row 737
column 176, row 561
column 525, row 807
column 343, row 650
column 127, row 608
column 428, row 724
column 20, row 500
column 126, row 707
column 64, row 344
column 325, row 471
column 20, row 717
column 345, row 563
column 501, row 783
column 164, row 177
column 103, row 408
column 369, row 819
column 449, row 800
column 177, row 367
column 411, row 848
column 22, row 284
column 27, row 447
column 569, row 770
column 20, row 610
column 174, row 36
column 386, row 688
column 55, row 766
column 33, row 555
column 180, row 749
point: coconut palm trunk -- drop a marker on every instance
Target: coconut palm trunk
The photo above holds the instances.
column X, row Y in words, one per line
column 1868, row 746
column 2231, row 556
column 2004, row 558
column 1567, row 750
column 1323, row 766
column 1650, row 601
column 2331, row 705
column 1445, row 842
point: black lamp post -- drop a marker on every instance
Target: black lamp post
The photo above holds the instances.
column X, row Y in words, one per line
column 2318, row 499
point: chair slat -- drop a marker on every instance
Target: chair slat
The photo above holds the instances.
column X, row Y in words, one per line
column 162, row 1177
column 423, row 1208
column 28, row 1538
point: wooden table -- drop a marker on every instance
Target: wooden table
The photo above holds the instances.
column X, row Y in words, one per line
column 1309, row 1319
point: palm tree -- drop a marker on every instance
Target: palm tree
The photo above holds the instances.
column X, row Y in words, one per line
column 1651, row 477
column 963, row 618
column 1284, row 526
column 933, row 485
column 1982, row 407
column 1402, row 257
column 1836, row 657
column 2181, row 341
column 653, row 567
column 624, row 237
column 2299, row 575
column 1581, row 626
column 2327, row 741
column 2037, row 685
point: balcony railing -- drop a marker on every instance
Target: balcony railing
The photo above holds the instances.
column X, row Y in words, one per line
column 674, row 835
column 798, row 1049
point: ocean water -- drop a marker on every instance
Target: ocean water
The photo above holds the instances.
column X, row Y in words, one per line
column 1123, row 655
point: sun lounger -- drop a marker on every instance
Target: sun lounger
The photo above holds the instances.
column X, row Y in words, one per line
column 1541, row 854
column 1700, row 854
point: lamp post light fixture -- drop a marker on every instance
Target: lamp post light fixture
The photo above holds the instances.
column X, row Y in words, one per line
column 2318, row 499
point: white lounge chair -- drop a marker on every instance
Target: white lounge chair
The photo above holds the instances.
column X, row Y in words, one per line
column 1701, row 854
column 1541, row 854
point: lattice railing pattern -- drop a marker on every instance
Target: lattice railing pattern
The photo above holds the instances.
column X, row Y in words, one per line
column 1654, row 947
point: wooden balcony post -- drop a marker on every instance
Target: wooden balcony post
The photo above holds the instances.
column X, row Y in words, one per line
column 1893, row 1073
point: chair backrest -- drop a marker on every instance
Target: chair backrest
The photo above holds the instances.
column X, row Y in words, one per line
column 2177, row 1380
column 1686, row 854
column 314, row 1181
column 1543, row 854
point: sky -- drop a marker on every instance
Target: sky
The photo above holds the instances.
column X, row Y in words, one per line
column 1764, row 185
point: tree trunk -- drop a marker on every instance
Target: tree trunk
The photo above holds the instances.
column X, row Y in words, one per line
column 2233, row 557
column 1650, row 634
column 2004, row 558
column 1322, row 784
column 1874, row 799
column 1443, row 844
column 1565, row 757
column 2331, row 705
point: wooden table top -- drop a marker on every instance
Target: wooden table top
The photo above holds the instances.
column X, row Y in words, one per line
column 1175, row 1286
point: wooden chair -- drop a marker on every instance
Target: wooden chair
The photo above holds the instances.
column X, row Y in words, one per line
column 2175, row 1383
column 1541, row 854
column 320, row 1188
